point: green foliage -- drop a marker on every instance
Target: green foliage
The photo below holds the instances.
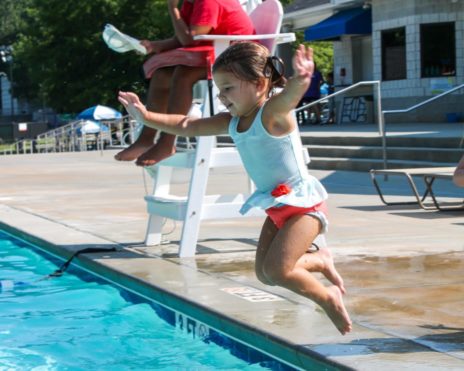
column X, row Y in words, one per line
column 62, row 61
column 11, row 19
column 11, row 22
column 323, row 53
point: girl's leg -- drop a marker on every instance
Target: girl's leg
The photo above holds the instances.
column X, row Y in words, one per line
column 317, row 113
column 322, row 261
column 319, row 261
column 300, row 115
column 280, row 267
column 157, row 100
column 268, row 232
column 179, row 102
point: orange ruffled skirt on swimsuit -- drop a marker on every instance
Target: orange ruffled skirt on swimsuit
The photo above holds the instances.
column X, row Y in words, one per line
column 195, row 56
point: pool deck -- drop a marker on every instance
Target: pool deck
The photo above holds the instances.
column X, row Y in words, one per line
column 403, row 266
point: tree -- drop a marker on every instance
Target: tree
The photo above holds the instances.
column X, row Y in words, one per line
column 64, row 60
column 323, row 53
column 11, row 19
column 60, row 59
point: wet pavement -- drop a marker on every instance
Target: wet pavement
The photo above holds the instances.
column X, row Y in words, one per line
column 403, row 266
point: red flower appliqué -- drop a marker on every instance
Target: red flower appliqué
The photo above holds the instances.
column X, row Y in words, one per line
column 280, row 190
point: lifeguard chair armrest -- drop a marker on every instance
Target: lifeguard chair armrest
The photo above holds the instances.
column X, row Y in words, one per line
column 280, row 38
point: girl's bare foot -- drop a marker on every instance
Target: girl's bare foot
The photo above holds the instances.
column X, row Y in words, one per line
column 133, row 151
column 155, row 154
column 335, row 309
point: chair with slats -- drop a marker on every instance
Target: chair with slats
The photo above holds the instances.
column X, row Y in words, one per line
column 197, row 206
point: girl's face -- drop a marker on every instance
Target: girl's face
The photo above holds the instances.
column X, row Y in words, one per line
column 238, row 96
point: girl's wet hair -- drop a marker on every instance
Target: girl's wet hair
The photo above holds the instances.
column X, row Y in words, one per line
column 250, row 61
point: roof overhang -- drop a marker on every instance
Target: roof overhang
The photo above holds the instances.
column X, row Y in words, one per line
column 303, row 18
column 355, row 21
column 300, row 19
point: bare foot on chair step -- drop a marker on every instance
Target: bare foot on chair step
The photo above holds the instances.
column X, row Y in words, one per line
column 155, row 154
column 133, row 151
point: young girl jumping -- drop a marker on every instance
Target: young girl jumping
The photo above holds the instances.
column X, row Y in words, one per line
column 264, row 129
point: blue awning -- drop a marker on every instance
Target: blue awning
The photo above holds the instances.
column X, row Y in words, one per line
column 356, row 21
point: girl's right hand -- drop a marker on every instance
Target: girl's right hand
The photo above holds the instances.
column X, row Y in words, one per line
column 133, row 105
column 303, row 63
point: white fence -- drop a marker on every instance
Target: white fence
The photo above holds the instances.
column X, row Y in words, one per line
column 70, row 138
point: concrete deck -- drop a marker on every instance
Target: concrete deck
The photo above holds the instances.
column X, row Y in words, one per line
column 403, row 266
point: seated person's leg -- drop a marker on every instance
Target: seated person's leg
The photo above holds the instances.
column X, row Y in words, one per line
column 300, row 115
column 179, row 102
column 157, row 100
column 317, row 112
column 331, row 118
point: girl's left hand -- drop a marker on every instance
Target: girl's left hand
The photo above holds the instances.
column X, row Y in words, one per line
column 303, row 64
column 133, row 105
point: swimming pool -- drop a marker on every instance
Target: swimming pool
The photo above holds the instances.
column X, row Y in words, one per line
column 80, row 322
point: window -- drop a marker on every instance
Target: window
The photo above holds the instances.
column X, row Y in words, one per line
column 438, row 49
column 394, row 54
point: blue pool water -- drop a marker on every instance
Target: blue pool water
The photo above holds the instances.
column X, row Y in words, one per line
column 80, row 322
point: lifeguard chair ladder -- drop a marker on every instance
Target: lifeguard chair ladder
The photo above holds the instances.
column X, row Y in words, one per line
column 197, row 206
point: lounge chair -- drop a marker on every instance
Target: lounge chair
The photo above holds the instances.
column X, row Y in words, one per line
column 428, row 176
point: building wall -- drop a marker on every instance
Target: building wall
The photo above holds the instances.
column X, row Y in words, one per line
column 343, row 59
column 6, row 108
column 388, row 14
column 5, row 96
column 400, row 94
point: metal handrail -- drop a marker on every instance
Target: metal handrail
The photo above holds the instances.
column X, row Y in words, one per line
column 412, row 108
column 351, row 87
column 406, row 110
column 376, row 83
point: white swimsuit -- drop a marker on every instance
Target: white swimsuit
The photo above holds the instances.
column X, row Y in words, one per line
column 270, row 161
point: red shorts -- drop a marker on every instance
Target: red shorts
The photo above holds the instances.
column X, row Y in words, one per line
column 280, row 214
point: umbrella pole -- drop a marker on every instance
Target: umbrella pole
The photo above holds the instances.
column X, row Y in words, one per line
column 101, row 141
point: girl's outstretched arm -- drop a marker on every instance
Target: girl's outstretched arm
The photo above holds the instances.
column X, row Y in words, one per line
column 282, row 104
column 303, row 68
column 174, row 124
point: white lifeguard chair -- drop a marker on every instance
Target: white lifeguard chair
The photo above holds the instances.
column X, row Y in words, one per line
column 197, row 206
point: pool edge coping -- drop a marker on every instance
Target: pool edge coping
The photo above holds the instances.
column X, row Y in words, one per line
column 292, row 354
